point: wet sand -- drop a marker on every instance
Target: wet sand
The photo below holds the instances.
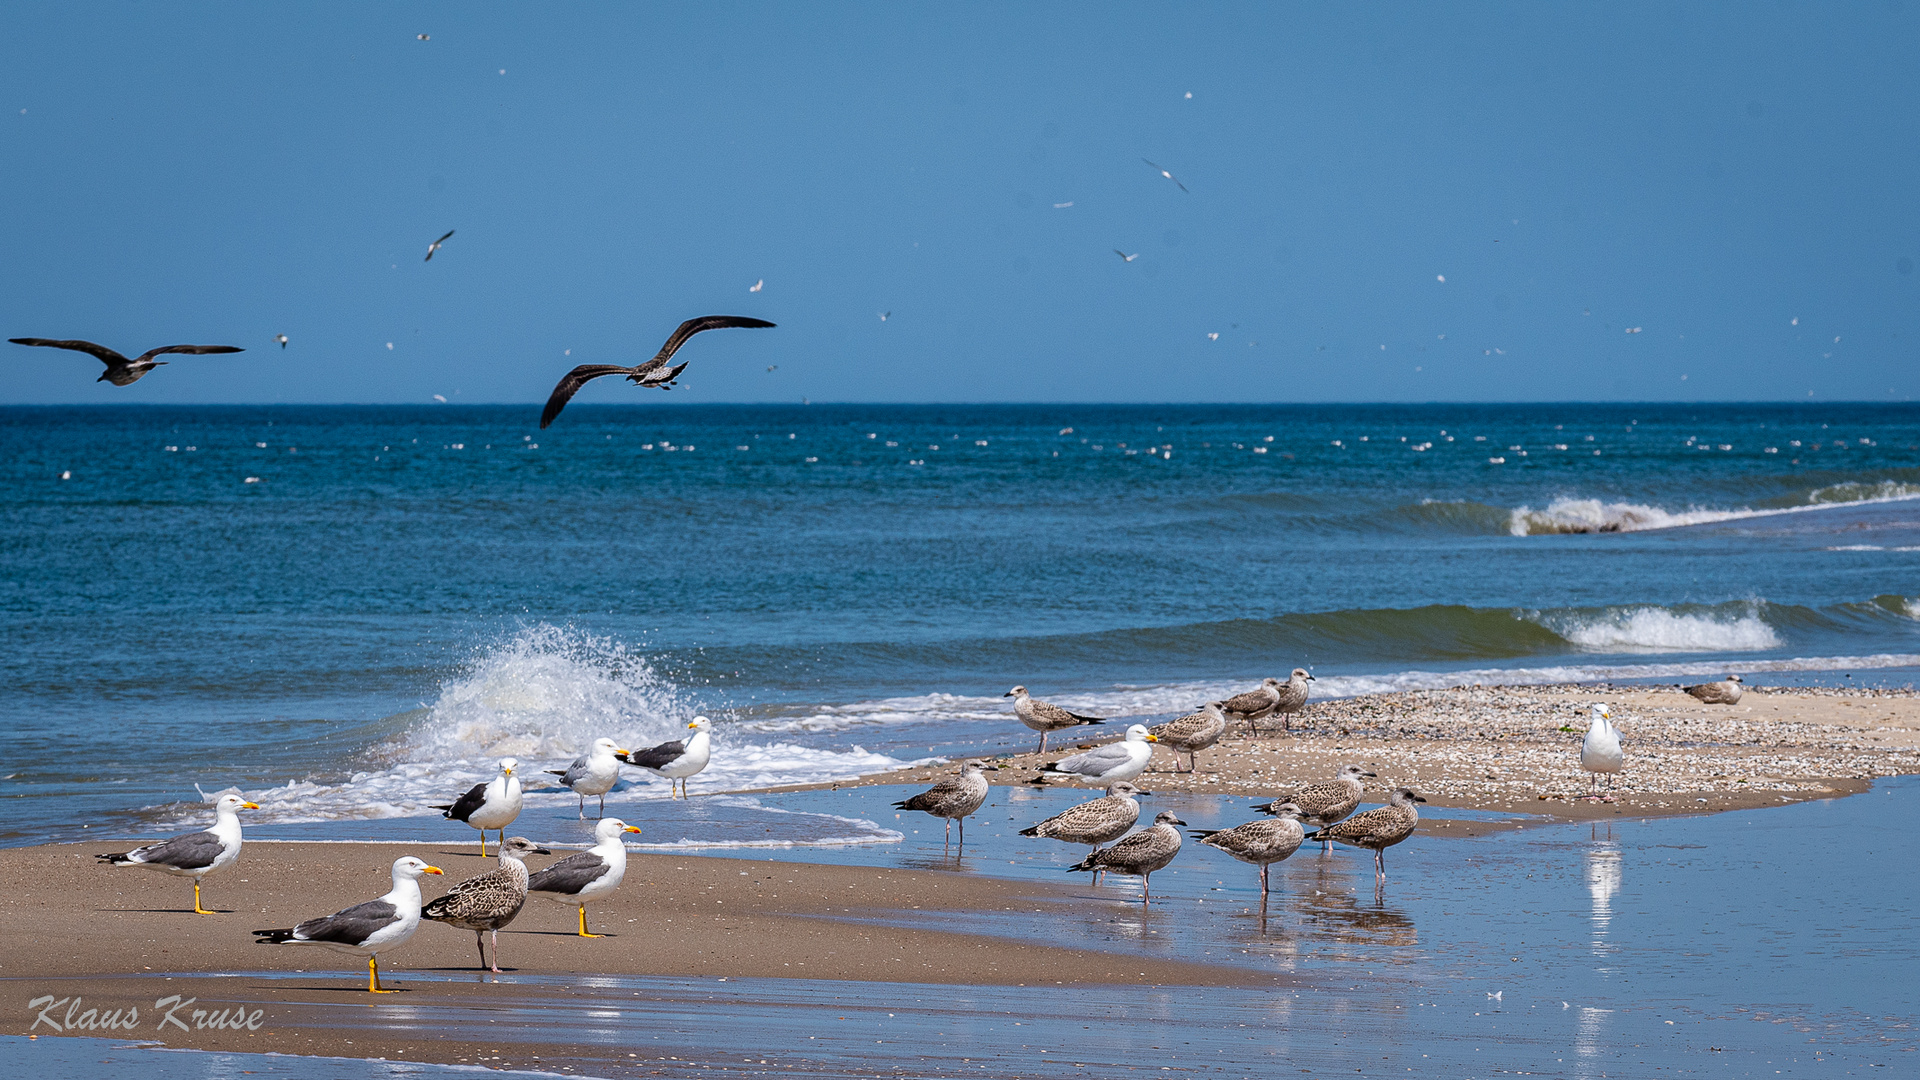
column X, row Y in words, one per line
column 71, row 926
column 1517, row 749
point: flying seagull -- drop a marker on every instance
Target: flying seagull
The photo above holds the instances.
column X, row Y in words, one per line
column 884, row 315
column 120, row 370
column 435, row 246
column 1168, row 175
column 1124, row 257
column 654, row 372
column 282, row 339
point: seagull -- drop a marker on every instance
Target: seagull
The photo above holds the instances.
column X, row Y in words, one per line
column 587, row 875
column 953, row 798
column 1379, row 828
column 423, row 37
column 885, row 315
column 1192, row 733
column 1045, row 718
column 773, row 367
column 654, row 372
column 1124, row 257
column 1255, row 704
column 1600, row 751
column 365, row 929
column 1094, row 822
column 1109, row 764
column 1725, row 692
column 282, row 339
column 193, row 855
column 120, row 370
column 1324, row 804
column 492, row 805
column 1168, row 175
column 758, row 285
column 1262, row 843
column 592, row 773
column 489, row 901
column 678, row 759
column 435, row 246
column 1141, row 854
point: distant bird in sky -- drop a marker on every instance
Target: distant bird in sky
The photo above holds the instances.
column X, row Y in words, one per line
column 654, row 372
column 1124, row 257
column 435, row 246
column 1168, row 175
column 884, row 315
column 282, row 339
column 423, row 37
column 758, row 285
column 1214, row 336
column 120, row 370
column 1062, row 205
column 773, row 367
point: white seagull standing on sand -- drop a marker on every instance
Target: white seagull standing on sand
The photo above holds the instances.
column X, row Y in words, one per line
column 194, row 855
column 1106, row 765
column 592, row 773
column 590, row 874
column 678, row 759
column 491, row 805
column 365, row 929
column 1600, row 751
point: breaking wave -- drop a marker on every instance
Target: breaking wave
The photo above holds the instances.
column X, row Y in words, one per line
column 1569, row 515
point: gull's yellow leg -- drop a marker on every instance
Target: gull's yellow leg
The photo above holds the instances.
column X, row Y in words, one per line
column 373, row 977
column 197, row 909
column 583, row 923
column 483, row 843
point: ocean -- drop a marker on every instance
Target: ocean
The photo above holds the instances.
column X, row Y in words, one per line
column 349, row 612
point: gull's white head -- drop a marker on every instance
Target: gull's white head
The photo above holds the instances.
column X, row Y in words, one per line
column 700, row 723
column 507, row 765
column 611, row 828
column 230, row 802
column 606, row 748
column 1301, row 674
column 1602, row 712
column 1353, row 772
column 1018, row 691
column 1139, row 733
column 407, row 866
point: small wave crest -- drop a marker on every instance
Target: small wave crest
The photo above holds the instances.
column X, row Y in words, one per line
column 1569, row 515
column 543, row 697
column 1658, row 629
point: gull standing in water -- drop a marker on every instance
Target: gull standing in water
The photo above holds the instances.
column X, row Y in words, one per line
column 486, row 903
column 194, row 855
column 492, row 805
column 1600, row 751
column 120, row 370
column 365, row 929
column 1045, row 718
column 653, row 373
column 953, row 798
column 1324, row 804
column 1725, row 692
column 1192, row 734
column 678, row 759
column 1379, row 828
column 1109, row 764
column 590, row 874
column 1094, row 822
column 1262, row 843
column 592, row 773
column 1141, row 854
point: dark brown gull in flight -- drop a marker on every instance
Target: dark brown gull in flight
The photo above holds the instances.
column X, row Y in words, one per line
column 653, row 373
column 120, row 370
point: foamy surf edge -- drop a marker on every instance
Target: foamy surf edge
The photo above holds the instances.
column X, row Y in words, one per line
column 1575, row 516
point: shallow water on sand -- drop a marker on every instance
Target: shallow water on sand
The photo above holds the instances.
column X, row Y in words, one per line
column 1720, row 944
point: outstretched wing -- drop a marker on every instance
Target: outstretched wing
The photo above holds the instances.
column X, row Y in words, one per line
column 195, row 349
column 570, row 384
column 107, row 356
column 704, row 322
column 657, row 757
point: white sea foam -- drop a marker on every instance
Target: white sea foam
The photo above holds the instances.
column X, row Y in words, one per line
column 1597, row 516
column 1656, row 629
column 543, row 697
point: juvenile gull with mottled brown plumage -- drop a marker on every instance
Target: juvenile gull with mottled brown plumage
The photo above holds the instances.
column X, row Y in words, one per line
column 1192, row 734
column 1379, row 828
column 1324, row 804
column 488, row 902
column 1141, row 854
column 1725, row 692
column 953, row 798
column 1043, row 717
column 1262, row 842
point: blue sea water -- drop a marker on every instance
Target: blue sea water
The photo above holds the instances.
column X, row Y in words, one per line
column 350, row 612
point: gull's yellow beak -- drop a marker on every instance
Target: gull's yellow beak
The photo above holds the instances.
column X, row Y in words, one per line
column 249, row 806
column 621, row 752
column 1153, row 738
column 631, row 828
column 432, row 870
column 693, row 725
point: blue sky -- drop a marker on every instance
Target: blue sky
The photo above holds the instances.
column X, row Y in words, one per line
column 224, row 173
